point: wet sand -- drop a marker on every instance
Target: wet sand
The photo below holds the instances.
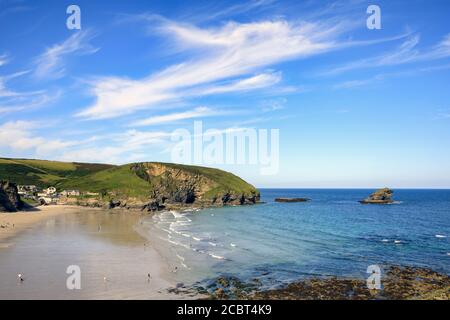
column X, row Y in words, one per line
column 114, row 259
column 12, row 224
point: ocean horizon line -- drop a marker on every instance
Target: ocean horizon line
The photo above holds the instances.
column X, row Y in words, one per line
column 351, row 188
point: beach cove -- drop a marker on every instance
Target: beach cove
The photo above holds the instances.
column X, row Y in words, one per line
column 270, row 250
column 115, row 261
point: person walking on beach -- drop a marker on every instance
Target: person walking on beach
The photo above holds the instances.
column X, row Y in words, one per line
column 149, row 277
column 20, row 277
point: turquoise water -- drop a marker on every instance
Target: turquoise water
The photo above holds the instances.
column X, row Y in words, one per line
column 331, row 235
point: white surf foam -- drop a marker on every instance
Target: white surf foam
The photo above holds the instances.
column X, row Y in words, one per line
column 165, row 230
column 176, row 243
column 180, row 257
column 216, row 256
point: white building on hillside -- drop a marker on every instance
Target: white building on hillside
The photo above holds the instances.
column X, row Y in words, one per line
column 50, row 190
column 70, row 193
column 25, row 189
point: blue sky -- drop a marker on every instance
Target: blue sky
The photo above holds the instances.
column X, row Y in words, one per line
column 354, row 107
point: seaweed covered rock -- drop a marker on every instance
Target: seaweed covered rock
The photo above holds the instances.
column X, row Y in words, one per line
column 397, row 283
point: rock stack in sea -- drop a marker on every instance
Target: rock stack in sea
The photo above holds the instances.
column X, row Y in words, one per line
column 381, row 196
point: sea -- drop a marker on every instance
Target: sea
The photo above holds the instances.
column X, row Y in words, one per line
column 331, row 235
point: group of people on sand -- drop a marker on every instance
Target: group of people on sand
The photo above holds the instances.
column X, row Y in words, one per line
column 20, row 277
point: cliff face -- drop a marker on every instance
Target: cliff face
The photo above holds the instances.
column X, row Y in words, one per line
column 9, row 197
column 154, row 185
column 174, row 184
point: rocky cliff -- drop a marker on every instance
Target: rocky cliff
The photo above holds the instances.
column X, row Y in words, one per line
column 9, row 197
column 154, row 186
column 174, row 184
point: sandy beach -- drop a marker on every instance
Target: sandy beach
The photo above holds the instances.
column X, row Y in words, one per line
column 12, row 224
column 116, row 262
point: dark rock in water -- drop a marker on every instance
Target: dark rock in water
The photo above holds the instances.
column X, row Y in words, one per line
column 292, row 199
column 9, row 197
column 114, row 204
column 153, row 206
column 381, row 196
column 229, row 287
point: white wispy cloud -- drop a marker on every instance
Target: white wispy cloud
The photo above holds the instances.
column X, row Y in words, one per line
column 443, row 115
column 273, row 104
column 113, row 155
column 23, row 137
column 350, row 84
column 14, row 100
column 51, row 63
column 195, row 113
column 407, row 52
column 6, row 92
column 377, row 78
column 228, row 53
column 128, row 146
column 258, row 81
column 25, row 103
column 3, row 59
column 236, row 9
column 20, row 136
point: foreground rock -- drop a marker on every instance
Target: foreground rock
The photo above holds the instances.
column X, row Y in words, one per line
column 399, row 283
column 381, row 196
column 9, row 197
column 292, row 199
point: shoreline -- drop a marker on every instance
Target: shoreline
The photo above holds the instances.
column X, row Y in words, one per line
column 399, row 282
column 108, row 247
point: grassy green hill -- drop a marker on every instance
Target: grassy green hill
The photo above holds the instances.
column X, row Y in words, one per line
column 133, row 180
column 44, row 173
column 141, row 181
column 120, row 180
